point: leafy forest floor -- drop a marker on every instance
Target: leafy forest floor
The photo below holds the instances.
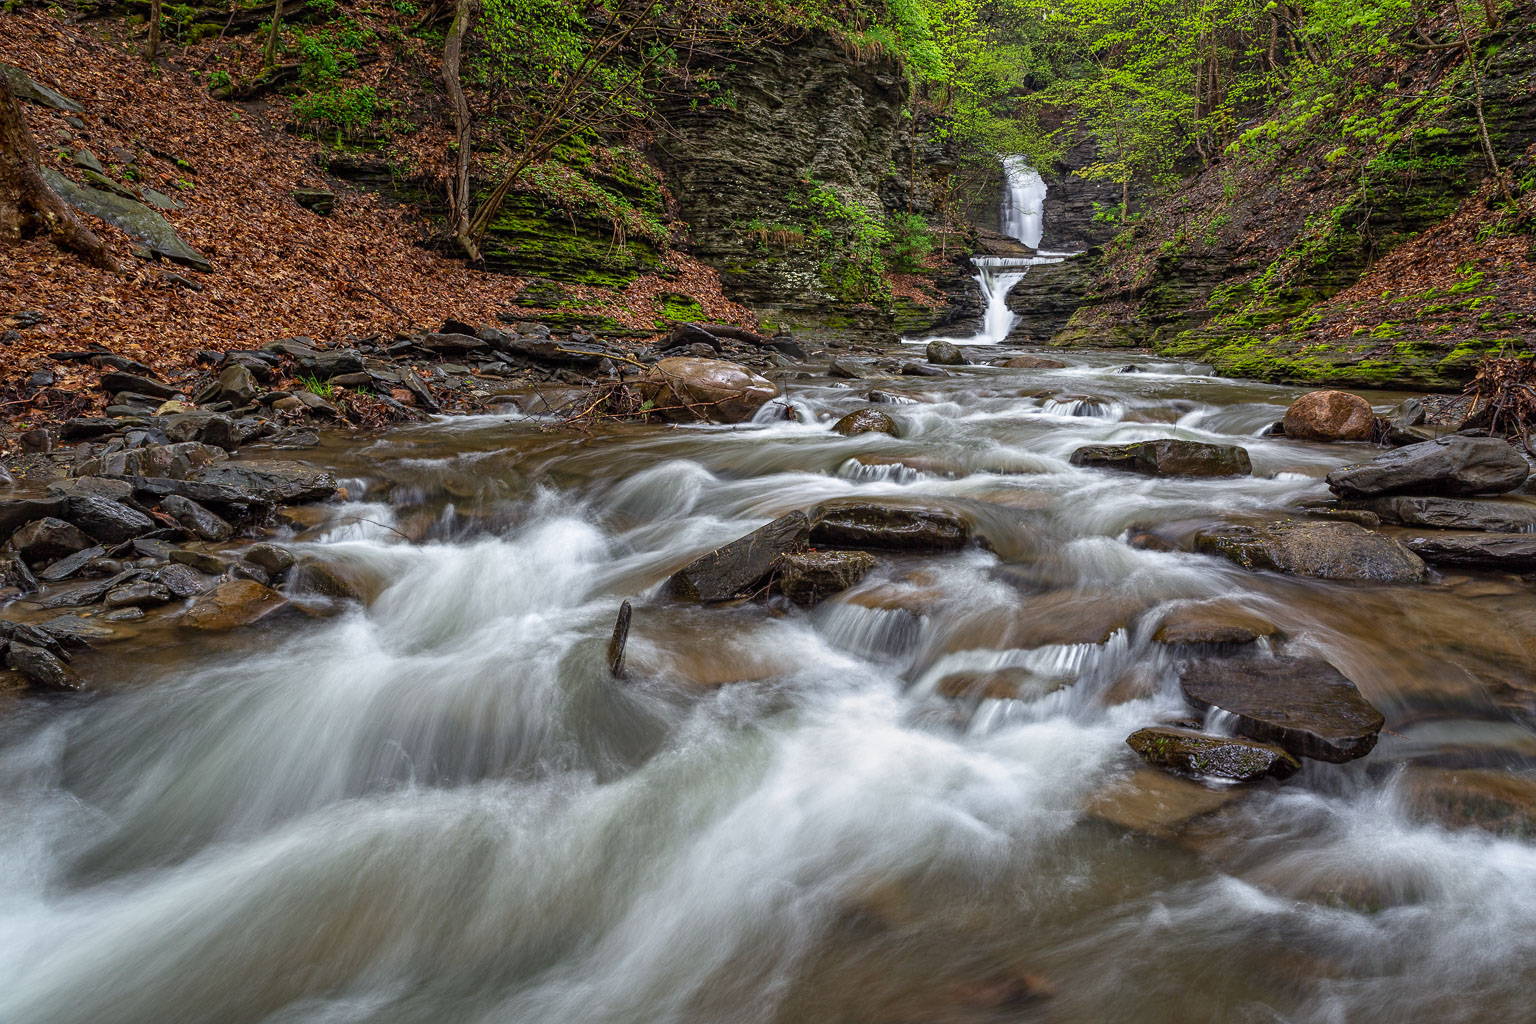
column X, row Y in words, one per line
column 279, row 269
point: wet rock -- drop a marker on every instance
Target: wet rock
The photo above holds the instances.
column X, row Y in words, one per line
column 942, row 353
column 810, row 577
column 741, row 567
column 1326, row 550
column 889, row 398
column 117, row 382
column 71, row 565
column 275, row 560
column 865, row 421
column 181, row 581
column 1447, row 466
column 1212, row 624
column 1167, row 457
column 274, row 481
column 41, row 667
column 202, row 561
column 1031, row 363
column 84, row 428
column 46, row 540
column 247, row 571
column 861, row 524
column 235, row 385
column 1513, row 552
column 203, row 523
column 1303, row 704
column 1156, row 804
column 15, row 575
column 229, row 502
column 922, row 370
column 18, row 512
column 327, row 579
column 1453, row 513
column 688, row 390
column 619, row 641
column 1220, row 757
column 231, row 605
column 111, row 522
column 844, row 368
column 1501, row 802
column 330, row 363
column 171, row 461
column 1330, row 416
column 138, row 594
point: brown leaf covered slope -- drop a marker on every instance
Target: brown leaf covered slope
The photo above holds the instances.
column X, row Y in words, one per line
column 280, row 270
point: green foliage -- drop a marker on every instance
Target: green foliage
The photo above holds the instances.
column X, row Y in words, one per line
column 346, row 111
column 911, row 242
column 315, row 386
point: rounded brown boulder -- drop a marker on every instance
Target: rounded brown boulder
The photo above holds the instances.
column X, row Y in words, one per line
column 1330, row 416
column 685, row 389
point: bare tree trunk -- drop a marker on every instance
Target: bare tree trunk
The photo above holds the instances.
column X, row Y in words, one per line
column 1477, row 92
column 269, row 52
column 460, row 198
column 27, row 205
column 152, row 48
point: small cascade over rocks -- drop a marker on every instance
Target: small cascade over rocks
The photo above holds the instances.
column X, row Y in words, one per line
column 1022, row 218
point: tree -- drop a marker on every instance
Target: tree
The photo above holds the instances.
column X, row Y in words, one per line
column 27, row 205
column 152, row 48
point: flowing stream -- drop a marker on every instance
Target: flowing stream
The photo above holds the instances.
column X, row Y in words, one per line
column 439, row 807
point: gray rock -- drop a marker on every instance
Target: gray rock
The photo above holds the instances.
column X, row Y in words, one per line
column 138, row 594
column 1447, row 466
column 180, row 580
column 740, row 568
column 205, row 524
column 810, row 577
column 921, row 370
column 272, row 480
column 41, row 667
column 46, row 540
column 133, row 217
column 247, row 571
column 235, row 385
column 26, row 89
column 14, row 573
column 862, row 524
column 273, row 559
column 450, row 344
column 1220, row 757
column 1303, row 704
column 1326, row 550
column 331, row 363
column 71, row 565
column 1167, row 457
column 1512, row 552
column 942, row 353
column 18, row 512
column 170, row 461
column 110, row 522
column 318, row 200
column 1452, row 513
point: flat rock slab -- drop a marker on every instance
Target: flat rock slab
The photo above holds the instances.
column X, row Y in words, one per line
column 231, row 605
column 1452, row 513
column 1515, row 552
column 131, row 216
column 862, row 524
column 1326, row 550
column 741, row 567
column 1302, row 704
column 1449, row 466
column 1220, row 757
column 1167, row 457
column 271, row 480
column 25, row 88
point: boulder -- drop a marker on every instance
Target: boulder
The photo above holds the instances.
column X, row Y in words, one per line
column 1167, row 457
column 922, row 370
column 1303, row 704
column 231, row 605
column 1220, row 757
column 46, row 540
column 1212, row 623
column 272, row 480
column 41, row 667
column 330, row 363
column 110, row 522
column 1330, row 416
column 270, row 557
column 203, row 523
column 1326, row 550
column 327, row 579
column 18, row 512
column 1447, row 466
column 942, row 353
column 862, row 524
column 180, row 580
column 15, row 577
column 740, row 568
column 865, row 421
column 117, row 382
column 1452, row 513
column 235, row 385
column 810, row 577
column 1031, row 363
column 1512, row 552
column 688, row 390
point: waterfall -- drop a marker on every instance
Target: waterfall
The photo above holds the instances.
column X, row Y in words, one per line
column 1021, row 216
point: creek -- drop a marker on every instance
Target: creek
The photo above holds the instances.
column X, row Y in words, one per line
column 439, row 806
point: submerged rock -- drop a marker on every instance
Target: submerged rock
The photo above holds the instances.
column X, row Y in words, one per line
column 1212, row 624
column 1327, row 550
column 1167, row 457
column 865, row 421
column 231, row 605
column 688, row 390
column 325, row 579
column 1330, row 416
column 1027, row 362
column 1303, row 704
column 810, row 577
column 741, row 567
column 862, row 524
column 1447, row 466
column 1221, row 757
